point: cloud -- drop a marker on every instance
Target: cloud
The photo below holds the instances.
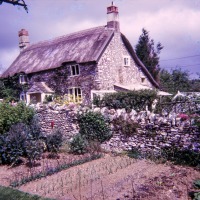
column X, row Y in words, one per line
column 174, row 23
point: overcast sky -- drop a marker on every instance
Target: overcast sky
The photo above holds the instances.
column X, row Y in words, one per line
column 174, row 23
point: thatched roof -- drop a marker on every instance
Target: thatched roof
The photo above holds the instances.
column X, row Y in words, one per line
column 40, row 87
column 81, row 47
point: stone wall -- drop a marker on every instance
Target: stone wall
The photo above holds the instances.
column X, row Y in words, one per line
column 57, row 117
column 154, row 132
column 111, row 69
column 60, row 79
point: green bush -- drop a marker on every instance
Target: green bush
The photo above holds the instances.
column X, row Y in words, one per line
column 21, row 141
column 10, row 115
column 126, row 127
column 181, row 156
column 79, row 145
column 94, row 127
column 137, row 100
column 54, row 141
column 13, row 144
column 196, row 184
column 33, row 150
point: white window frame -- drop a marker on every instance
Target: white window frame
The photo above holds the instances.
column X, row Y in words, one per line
column 74, row 95
column 126, row 61
column 23, row 79
column 74, row 70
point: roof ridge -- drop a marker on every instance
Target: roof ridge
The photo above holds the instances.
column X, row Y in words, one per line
column 56, row 39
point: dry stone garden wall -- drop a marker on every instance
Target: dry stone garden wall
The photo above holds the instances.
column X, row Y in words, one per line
column 154, row 131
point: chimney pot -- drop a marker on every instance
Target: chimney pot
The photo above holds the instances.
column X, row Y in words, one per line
column 113, row 17
column 23, row 39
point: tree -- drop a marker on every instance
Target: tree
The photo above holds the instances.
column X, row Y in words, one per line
column 148, row 53
column 177, row 80
column 16, row 2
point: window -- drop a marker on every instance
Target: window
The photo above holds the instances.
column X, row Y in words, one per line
column 75, row 94
column 126, row 60
column 142, row 79
column 23, row 79
column 22, row 96
column 74, row 70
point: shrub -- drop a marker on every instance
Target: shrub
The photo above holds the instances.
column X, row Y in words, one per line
column 137, row 100
column 79, row 144
column 125, row 127
column 94, row 127
column 21, row 141
column 13, row 144
column 33, row 150
column 48, row 98
column 196, row 184
column 181, row 156
column 54, row 140
column 10, row 115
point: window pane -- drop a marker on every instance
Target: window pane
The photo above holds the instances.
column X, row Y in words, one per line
column 77, row 69
column 76, row 92
column 79, row 91
column 73, row 70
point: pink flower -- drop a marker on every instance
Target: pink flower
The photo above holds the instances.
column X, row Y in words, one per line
column 183, row 116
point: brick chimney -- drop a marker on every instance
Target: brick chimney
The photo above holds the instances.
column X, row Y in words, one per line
column 23, row 39
column 113, row 17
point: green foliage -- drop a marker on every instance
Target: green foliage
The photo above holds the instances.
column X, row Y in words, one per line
column 196, row 196
column 97, row 101
column 79, row 145
column 57, row 81
column 33, row 150
column 137, row 100
column 11, row 194
column 48, row 98
column 134, row 153
column 181, row 157
column 10, row 88
column 174, row 81
column 21, row 141
column 10, row 115
column 54, row 140
column 196, row 184
column 13, row 144
column 148, row 53
column 174, row 154
column 126, row 127
column 94, row 127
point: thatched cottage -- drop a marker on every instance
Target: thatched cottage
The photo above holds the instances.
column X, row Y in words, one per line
column 93, row 61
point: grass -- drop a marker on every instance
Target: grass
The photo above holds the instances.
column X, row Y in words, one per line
column 7, row 193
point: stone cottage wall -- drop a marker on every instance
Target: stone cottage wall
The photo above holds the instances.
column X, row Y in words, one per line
column 111, row 69
column 60, row 80
column 154, row 133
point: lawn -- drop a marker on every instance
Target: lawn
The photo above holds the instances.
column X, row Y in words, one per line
column 7, row 193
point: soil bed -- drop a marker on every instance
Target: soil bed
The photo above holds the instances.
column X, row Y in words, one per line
column 108, row 178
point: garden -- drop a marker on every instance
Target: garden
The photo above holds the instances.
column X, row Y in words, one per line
column 52, row 167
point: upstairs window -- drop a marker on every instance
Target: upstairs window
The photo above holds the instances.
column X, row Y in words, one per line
column 142, row 79
column 23, row 79
column 75, row 95
column 126, row 61
column 75, row 70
